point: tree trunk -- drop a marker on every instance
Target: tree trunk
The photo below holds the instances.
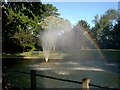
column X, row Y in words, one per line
column 54, row 48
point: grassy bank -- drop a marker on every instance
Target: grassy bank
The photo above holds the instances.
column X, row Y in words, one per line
column 24, row 54
column 110, row 54
column 33, row 54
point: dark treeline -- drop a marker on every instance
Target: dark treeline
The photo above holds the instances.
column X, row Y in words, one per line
column 21, row 28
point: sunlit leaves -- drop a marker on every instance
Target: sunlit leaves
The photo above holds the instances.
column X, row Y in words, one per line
column 21, row 21
column 101, row 22
column 104, row 31
column 56, row 23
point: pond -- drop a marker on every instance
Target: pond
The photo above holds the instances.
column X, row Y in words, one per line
column 100, row 73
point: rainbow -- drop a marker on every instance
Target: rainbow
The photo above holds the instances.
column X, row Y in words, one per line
column 96, row 45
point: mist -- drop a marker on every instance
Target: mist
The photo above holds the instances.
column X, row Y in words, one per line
column 58, row 35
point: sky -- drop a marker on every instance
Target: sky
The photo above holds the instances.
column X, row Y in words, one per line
column 76, row 11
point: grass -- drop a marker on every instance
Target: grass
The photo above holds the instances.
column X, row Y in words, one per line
column 111, row 54
column 34, row 54
column 24, row 54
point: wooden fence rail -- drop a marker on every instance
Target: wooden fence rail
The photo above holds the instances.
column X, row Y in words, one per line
column 85, row 81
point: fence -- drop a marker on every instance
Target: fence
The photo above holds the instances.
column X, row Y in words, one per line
column 85, row 81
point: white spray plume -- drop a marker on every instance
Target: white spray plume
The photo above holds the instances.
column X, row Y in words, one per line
column 53, row 27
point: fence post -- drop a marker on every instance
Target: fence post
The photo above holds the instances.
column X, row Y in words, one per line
column 85, row 84
column 33, row 79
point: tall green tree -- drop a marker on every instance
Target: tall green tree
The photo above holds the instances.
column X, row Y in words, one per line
column 20, row 23
column 111, row 37
column 82, row 30
column 104, row 26
column 102, row 22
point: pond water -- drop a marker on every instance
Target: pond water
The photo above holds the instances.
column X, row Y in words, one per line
column 100, row 73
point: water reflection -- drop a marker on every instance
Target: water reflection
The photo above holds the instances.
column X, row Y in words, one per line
column 88, row 69
column 68, row 66
column 100, row 73
column 63, row 72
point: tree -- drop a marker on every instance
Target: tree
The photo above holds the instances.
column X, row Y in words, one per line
column 116, row 36
column 94, row 29
column 111, row 38
column 20, row 21
column 83, row 32
column 53, row 27
column 104, row 26
column 84, row 25
column 109, row 17
column 49, row 10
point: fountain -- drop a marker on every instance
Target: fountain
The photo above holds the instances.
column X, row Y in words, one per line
column 53, row 27
column 46, row 44
column 59, row 34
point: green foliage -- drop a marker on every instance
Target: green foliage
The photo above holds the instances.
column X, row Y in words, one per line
column 20, row 23
column 82, row 31
column 55, row 23
column 106, row 28
column 103, row 21
column 111, row 38
column 50, row 10
column 84, row 24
